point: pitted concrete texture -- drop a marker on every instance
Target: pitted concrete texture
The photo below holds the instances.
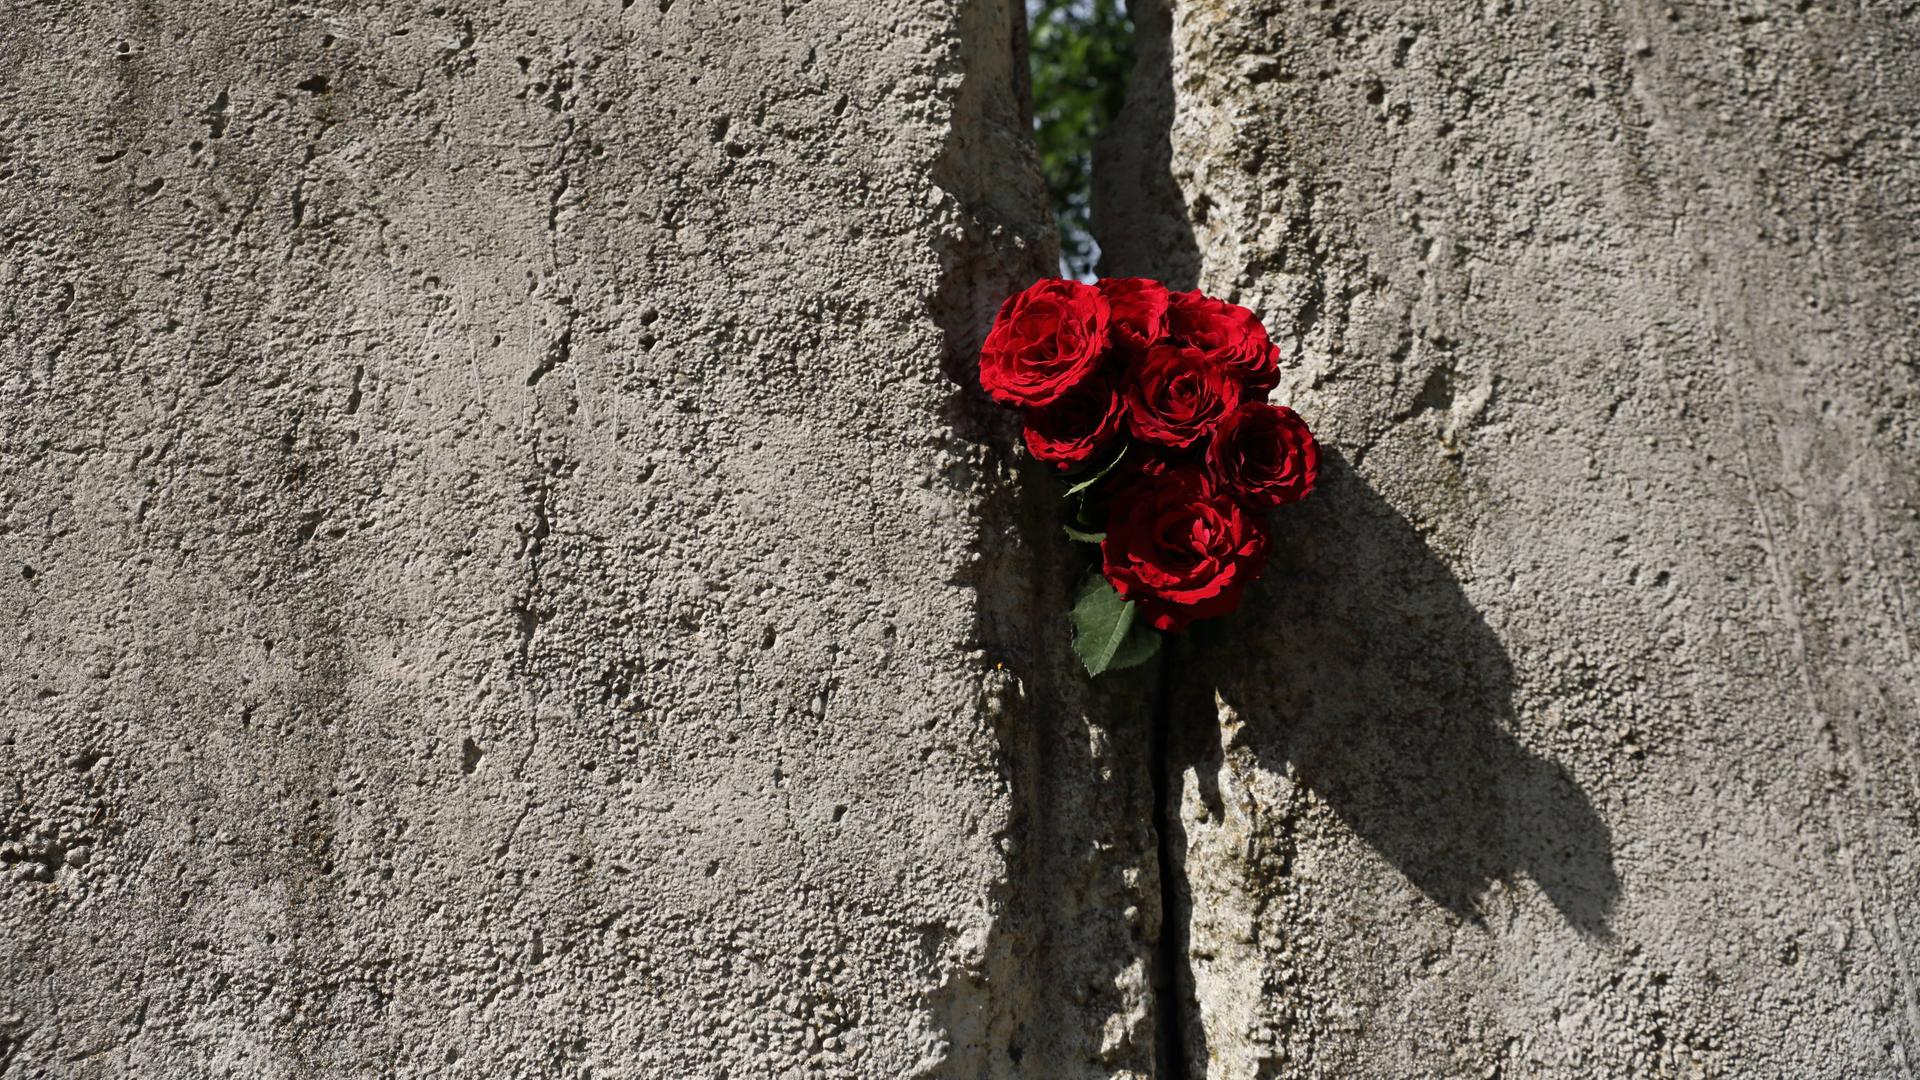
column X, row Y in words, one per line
column 1573, row 733
column 493, row 553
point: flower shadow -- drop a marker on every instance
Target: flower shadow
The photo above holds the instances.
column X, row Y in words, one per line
column 1363, row 667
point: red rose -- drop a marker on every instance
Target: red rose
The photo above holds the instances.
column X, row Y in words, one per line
column 1264, row 454
column 1227, row 334
column 1044, row 342
column 1139, row 310
column 1077, row 426
column 1181, row 548
column 1175, row 396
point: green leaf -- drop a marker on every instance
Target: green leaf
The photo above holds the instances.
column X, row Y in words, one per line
column 1096, row 477
column 1105, row 632
column 1141, row 644
column 1083, row 537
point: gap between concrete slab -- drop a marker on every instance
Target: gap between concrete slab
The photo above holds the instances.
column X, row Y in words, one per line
column 1171, row 986
column 1140, row 220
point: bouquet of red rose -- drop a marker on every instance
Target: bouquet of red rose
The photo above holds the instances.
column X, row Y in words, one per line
column 1156, row 400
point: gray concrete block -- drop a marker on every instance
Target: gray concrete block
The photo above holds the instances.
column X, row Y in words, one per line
column 1573, row 732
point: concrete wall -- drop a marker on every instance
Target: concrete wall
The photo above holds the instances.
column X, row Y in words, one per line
column 491, row 547
column 503, row 575
column 1575, row 731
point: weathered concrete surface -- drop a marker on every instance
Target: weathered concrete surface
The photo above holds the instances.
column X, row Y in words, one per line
column 492, row 553
column 1575, row 734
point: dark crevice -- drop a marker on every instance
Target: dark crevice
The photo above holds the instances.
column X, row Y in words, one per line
column 1002, row 1012
column 1141, row 222
column 1078, row 811
column 1170, row 964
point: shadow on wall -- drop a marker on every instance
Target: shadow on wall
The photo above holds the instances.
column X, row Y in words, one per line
column 1362, row 664
column 1359, row 664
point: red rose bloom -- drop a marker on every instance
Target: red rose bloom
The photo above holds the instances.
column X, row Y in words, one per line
column 1181, row 549
column 1139, row 310
column 1175, row 396
column 1228, row 335
column 1077, row 426
column 1044, row 342
column 1264, row 454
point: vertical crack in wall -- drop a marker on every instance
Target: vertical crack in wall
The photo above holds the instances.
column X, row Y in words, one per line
column 1081, row 971
column 1056, row 979
column 1172, row 981
column 1140, row 220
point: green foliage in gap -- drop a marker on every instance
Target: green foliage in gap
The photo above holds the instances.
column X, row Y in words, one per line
column 1081, row 53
